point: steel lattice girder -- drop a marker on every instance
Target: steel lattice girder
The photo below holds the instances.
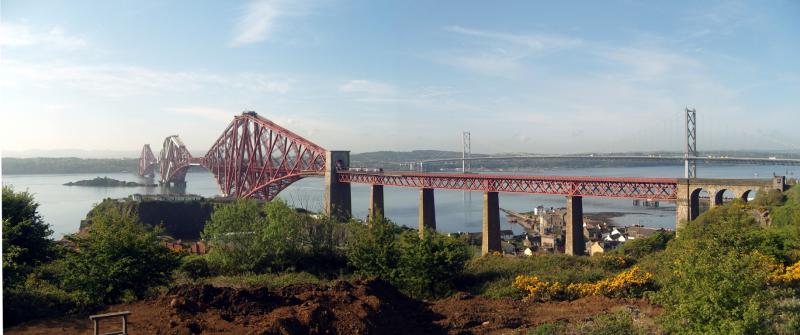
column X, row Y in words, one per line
column 608, row 187
column 147, row 161
column 175, row 159
column 255, row 157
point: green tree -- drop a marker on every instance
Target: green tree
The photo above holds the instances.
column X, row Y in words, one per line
column 421, row 267
column 245, row 236
column 641, row 247
column 428, row 265
column 119, row 257
column 26, row 241
column 717, row 278
column 372, row 249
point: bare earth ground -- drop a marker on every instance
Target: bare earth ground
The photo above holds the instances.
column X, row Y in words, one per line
column 359, row 307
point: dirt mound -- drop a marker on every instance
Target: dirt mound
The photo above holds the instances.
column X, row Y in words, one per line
column 466, row 314
column 360, row 307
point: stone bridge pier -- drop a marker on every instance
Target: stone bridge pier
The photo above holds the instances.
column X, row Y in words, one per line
column 687, row 203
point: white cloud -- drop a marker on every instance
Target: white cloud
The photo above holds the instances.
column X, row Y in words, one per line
column 651, row 63
column 256, row 22
column 533, row 41
column 368, row 87
column 20, row 35
column 122, row 80
column 210, row 113
column 502, row 54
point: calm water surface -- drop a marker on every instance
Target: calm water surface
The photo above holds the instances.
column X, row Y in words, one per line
column 64, row 206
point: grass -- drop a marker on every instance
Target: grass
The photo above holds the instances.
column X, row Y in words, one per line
column 251, row 280
column 493, row 275
column 620, row 322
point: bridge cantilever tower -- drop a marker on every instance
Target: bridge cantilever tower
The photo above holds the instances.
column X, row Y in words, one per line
column 254, row 157
column 147, row 162
column 175, row 160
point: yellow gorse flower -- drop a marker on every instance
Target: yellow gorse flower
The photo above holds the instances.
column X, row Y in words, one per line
column 620, row 284
column 784, row 275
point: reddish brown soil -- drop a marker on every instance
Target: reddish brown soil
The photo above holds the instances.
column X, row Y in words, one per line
column 360, row 307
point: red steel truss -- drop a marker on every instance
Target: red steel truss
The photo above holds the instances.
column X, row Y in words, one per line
column 175, row 159
column 254, row 157
column 608, row 187
column 147, row 162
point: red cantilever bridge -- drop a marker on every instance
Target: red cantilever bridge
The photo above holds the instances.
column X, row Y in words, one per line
column 256, row 158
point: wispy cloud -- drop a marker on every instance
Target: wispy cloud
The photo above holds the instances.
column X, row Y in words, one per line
column 256, row 23
column 214, row 114
column 368, row 87
column 122, row 80
column 502, row 54
column 536, row 41
column 21, row 35
column 650, row 63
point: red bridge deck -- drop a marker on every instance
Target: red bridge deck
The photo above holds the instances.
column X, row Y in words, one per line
column 608, row 187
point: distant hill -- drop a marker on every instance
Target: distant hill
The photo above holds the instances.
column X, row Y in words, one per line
column 67, row 165
column 404, row 156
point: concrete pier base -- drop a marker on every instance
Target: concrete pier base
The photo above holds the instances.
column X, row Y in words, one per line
column 337, row 201
column 376, row 202
column 574, row 244
column 427, row 211
column 491, row 223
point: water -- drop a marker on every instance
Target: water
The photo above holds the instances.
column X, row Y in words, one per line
column 64, row 206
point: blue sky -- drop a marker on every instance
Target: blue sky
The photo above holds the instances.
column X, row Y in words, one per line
column 527, row 76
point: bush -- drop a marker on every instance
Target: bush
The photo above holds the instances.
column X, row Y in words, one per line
column 717, row 278
column 118, row 257
column 194, row 266
column 641, row 247
column 494, row 276
column 771, row 197
column 421, row 267
column 629, row 283
column 26, row 237
column 37, row 296
column 247, row 237
column 373, row 249
column 428, row 265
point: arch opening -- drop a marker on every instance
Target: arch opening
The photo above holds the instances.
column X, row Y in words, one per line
column 748, row 196
column 723, row 196
column 699, row 202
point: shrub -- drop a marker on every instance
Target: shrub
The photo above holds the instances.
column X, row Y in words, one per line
column 118, row 257
column 248, row 237
column 372, row 250
column 641, row 247
column 629, row 283
column 421, row 267
column 37, row 296
column 771, row 197
column 428, row 265
column 494, row 276
column 244, row 236
column 194, row 266
column 26, row 241
column 718, row 278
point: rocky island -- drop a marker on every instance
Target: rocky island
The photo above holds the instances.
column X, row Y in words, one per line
column 106, row 182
